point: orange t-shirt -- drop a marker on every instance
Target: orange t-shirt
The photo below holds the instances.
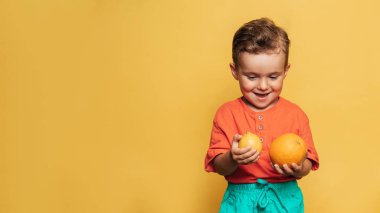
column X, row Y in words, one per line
column 235, row 117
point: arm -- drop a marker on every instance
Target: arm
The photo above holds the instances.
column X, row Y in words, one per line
column 225, row 164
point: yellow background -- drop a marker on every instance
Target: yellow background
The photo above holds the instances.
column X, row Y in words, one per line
column 107, row 105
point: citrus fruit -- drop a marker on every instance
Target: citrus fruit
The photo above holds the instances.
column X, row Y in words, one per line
column 250, row 139
column 287, row 149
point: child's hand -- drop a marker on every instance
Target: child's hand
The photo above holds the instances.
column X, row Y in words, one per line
column 291, row 170
column 244, row 155
column 294, row 169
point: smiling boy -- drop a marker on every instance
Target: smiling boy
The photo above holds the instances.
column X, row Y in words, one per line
column 260, row 65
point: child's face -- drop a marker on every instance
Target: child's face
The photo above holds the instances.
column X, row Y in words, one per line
column 261, row 77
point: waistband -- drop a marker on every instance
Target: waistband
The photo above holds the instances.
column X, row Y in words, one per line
column 248, row 187
column 262, row 188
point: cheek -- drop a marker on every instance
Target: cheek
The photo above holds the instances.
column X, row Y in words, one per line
column 246, row 86
column 277, row 85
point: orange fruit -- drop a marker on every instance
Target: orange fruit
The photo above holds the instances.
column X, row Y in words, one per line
column 250, row 139
column 287, row 149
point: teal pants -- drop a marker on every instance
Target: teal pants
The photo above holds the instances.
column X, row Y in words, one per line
column 263, row 197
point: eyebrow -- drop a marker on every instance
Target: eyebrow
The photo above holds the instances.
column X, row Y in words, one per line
column 275, row 73
column 272, row 73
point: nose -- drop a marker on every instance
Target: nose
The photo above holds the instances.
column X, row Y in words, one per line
column 263, row 84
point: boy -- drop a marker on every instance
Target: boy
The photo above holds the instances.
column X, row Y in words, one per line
column 260, row 64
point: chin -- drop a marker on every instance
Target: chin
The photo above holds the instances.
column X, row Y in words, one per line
column 262, row 107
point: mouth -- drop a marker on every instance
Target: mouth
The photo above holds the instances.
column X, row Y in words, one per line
column 261, row 95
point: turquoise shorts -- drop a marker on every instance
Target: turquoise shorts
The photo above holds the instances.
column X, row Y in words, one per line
column 262, row 197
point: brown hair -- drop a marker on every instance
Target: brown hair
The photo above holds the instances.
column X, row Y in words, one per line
column 260, row 36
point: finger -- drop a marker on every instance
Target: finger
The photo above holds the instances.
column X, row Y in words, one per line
column 244, row 154
column 278, row 169
column 253, row 158
column 248, row 161
column 247, row 157
column 287, row 170
column 241, row 151
column 235, row 144
column 245, row 161
column 239, row 155
column 236, row 138
column 296, row 167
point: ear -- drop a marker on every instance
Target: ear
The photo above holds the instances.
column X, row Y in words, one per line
column 287, row 69
column 234, row 71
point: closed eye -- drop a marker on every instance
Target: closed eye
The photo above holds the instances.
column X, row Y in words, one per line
column 273, row 77
column 251, row 77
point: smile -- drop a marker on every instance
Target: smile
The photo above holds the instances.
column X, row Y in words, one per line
column 261, row 95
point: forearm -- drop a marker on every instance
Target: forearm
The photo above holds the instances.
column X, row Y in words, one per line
column 224, row 164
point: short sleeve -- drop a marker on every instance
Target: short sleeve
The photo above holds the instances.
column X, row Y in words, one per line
column 219, row 144
column 305, row 133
